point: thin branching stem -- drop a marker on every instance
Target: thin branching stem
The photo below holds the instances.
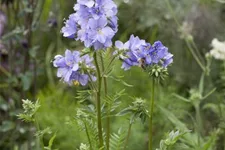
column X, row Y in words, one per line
column 172, row 12
column 98, row 100
column 186, row 40
column 198, row 52
column 108, row 106
column 151, row 114
column 128, row 135
column 195, row 56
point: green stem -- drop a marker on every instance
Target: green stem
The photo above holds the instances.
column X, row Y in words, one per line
column 98, row 99
column 172, row 12
column 195, row 56
column 40, row 137
column 199, row 122
column 128, row 135
column 108, row 107
column 151, row 114
column 88, row 136
column 197, row 51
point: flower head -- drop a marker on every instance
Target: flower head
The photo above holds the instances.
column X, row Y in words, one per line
column 72, row 68
column 94, row 23
column 137, row 52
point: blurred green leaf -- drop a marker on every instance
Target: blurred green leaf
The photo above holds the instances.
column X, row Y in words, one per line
column 33, row 51
column 7, row 126
column 26, row 80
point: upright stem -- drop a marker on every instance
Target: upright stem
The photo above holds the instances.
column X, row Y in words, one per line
column 151, row 114
column 108, row 107
column 199, row 122
column 41, row 136
column 35, row 79
column 128, row 135
column 98, row 100
column 88, row 136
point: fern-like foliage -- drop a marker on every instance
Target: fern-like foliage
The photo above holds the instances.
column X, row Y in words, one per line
column 111, row 102
column 30, row 108
column 117, row 140
column 87, row 122
column 84, row 96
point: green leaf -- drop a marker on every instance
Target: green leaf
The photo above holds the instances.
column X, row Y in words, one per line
column 120, row 80
column 7, row 126
column 51, row 141
column 13, row 33
column 33, row 51
column 117, row 140
column 124, row 112
column 26, row 80
column 209, row 145
column 181, row 97
column 209, row 93
column 174, row 119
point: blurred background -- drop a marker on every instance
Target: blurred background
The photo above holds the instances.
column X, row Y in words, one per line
column 30, row 38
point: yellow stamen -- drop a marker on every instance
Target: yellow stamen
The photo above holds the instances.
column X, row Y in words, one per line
column 76, row 83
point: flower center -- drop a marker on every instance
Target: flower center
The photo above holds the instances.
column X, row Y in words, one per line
column 76, row 83
column 100, row 31
column 69, row 63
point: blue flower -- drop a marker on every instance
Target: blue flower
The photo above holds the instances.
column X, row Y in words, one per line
column 88, row 3
column 158, row 52
column 137, row 52
column 99, row 31
column 77, row 77
column 113, row 23
column 167, row 60
column 72, row 68
column 97, row 12
column 129, row 60
column 95, row 23
column 66, row 64
column 70, row 28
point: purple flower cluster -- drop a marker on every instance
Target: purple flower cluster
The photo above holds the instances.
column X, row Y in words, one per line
column 94, row 23
column 138, row 52
column 72, row 68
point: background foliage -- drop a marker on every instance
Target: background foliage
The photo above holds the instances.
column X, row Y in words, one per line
column 28, row 44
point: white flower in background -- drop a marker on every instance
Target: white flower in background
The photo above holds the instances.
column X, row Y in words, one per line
column 218, row 51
